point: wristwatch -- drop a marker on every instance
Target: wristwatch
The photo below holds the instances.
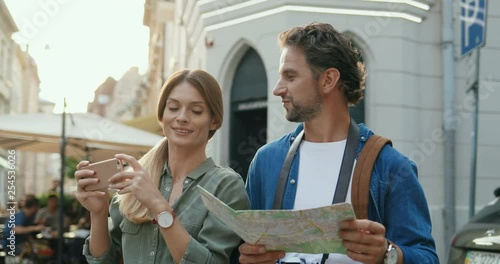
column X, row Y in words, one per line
column 165, row 219
column 391, row 255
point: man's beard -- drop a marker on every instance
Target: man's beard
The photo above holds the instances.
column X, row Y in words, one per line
column 306, row 111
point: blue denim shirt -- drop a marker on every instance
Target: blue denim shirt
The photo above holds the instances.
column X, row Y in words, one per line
column 396, row 197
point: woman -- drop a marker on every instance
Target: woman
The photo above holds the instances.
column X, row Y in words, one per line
column 158, row 216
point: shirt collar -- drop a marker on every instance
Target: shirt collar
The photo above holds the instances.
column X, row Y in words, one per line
column 364, row 132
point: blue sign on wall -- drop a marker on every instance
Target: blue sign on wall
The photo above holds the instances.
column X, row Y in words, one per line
column 472, row 24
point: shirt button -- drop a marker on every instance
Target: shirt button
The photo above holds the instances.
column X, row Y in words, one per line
column 186, row 181
column 362, row 138
column 152, row 253
column 292, row 181
column 167, row 189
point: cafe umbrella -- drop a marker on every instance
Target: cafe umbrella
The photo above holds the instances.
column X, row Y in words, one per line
column 77, row 135
column 88, row 136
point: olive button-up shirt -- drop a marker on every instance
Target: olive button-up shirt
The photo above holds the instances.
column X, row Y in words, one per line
column 211, row 241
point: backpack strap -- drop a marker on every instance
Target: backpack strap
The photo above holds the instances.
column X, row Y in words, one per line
column 362, row 172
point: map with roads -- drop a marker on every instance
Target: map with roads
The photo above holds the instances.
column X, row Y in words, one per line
column 310, row 231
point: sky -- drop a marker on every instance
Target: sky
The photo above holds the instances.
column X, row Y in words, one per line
column 77, row 44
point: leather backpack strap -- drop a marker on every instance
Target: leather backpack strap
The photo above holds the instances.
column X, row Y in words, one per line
column 360, row 193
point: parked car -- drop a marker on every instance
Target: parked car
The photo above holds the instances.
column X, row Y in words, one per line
column 478, row 241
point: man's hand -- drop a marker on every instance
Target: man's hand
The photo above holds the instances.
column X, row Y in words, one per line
column 250, row 254
column 37, row 228
column 364, row 240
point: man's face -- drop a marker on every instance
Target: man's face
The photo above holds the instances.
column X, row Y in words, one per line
column 52, row 203
column 31, row 211
column 297, row 87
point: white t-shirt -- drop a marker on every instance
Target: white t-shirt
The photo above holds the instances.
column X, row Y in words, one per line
column 319, row 168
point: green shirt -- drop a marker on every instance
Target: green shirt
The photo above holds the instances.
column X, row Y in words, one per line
column 211, row 241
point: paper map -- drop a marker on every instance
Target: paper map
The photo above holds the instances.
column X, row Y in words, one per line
column 310, row 231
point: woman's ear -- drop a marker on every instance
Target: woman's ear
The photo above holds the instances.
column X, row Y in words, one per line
column 215, row 124
column 329, row 80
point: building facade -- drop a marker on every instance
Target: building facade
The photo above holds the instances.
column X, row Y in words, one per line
column 103, row 96
column 403, row 48
column 19, row 93
column 121, row 99
column 7, row 56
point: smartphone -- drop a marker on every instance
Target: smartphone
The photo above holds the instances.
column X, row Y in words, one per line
column 103, row 171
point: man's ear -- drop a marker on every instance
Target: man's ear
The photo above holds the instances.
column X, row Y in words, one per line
column 329, row 80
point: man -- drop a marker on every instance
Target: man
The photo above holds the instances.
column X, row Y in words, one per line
column 49, row 216
column 320, row 77
column 19, row 229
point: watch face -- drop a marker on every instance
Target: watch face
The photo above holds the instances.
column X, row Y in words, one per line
column 392, row 257
column 165, row 219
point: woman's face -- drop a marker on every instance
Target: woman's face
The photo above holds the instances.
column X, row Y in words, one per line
column 187, row 119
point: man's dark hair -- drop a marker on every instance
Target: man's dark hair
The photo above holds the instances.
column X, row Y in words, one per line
column 497, row 192
column 324, row 47
column 31, row 202
column 52, row 196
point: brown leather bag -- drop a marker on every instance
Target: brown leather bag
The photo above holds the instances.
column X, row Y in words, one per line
column 360, row 193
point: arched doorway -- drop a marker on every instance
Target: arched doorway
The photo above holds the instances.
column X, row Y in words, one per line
column 248, row 131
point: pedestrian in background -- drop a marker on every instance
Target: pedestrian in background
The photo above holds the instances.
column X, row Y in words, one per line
column 18, row 234
column 49, row 216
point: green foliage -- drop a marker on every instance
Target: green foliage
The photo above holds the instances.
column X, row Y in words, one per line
column 70, row 167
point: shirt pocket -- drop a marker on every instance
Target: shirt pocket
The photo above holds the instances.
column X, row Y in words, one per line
column 131, row 241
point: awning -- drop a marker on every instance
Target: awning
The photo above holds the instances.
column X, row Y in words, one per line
column 147, row 123
column 87, row 136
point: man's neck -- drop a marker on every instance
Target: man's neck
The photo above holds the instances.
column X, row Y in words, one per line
column 327, row 129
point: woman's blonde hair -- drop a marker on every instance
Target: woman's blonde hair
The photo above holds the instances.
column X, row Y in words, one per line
column 154, row 160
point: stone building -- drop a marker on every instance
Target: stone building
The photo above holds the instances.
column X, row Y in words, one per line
column 19, row 94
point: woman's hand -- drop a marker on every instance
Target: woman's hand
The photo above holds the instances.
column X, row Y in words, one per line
column 138, row 182
column 96, row 202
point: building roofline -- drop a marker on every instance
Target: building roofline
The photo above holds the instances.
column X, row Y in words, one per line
column 5, row 13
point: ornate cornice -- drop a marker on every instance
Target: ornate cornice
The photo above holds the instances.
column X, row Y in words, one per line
column 218, row 14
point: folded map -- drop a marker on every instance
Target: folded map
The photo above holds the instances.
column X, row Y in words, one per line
column 310, row 231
